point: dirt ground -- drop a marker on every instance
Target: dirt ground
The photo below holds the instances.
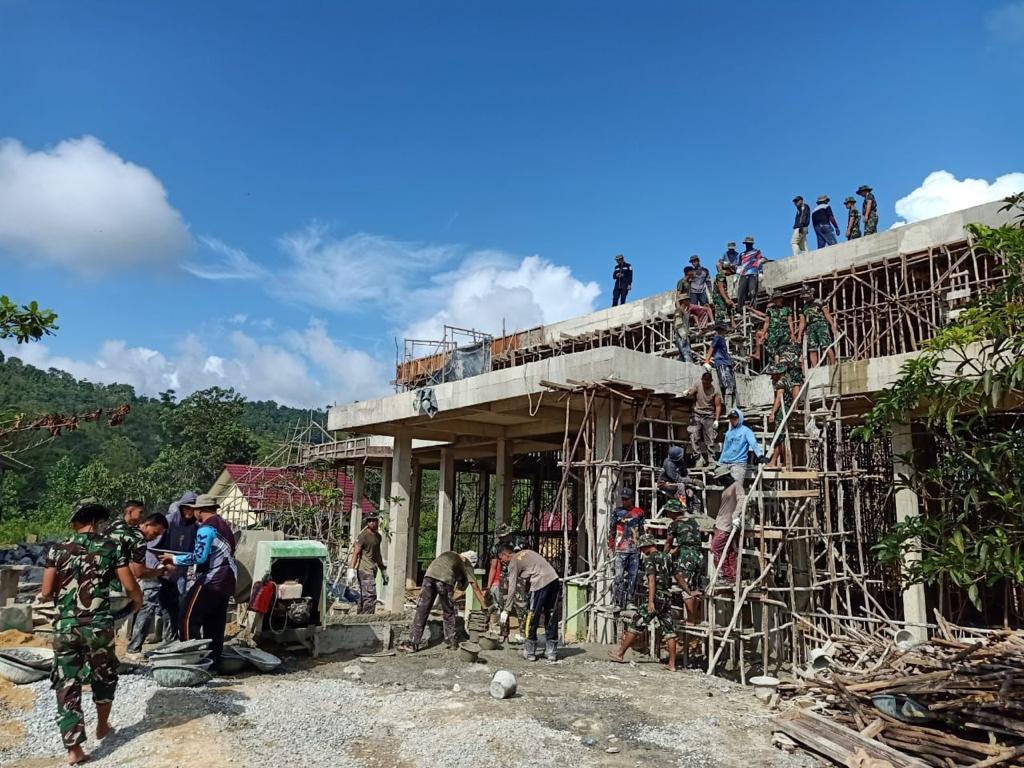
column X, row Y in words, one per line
column 426, row 710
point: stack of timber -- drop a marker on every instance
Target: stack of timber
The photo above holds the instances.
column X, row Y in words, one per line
column 956, row 700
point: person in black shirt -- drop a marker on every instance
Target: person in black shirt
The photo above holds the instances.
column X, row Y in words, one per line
column 801, row 222
column 623, row 277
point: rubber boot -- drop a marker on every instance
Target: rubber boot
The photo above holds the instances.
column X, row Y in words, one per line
column 551, row 650
column 530, row 650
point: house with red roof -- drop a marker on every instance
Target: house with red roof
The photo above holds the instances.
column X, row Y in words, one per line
column 248, row 494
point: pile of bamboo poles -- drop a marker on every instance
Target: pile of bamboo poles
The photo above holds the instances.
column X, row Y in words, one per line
column 955, row 700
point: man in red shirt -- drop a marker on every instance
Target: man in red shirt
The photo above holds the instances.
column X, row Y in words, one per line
column 626, row 527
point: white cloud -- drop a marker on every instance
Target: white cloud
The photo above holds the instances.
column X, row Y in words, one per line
column 1006, row 23
column 82, row 206
column 941, row 192
column 421, row 287
column 490, row 291
column 344, row 275
column 227, row 263
column 309, row 369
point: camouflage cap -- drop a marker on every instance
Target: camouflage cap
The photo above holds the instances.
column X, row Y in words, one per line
column 731, row 244
column 863, row 188
column 503, row 530
column 849, row 200
column 824, row 199
column 647, row 541
column 673, row 507
column 749, row 239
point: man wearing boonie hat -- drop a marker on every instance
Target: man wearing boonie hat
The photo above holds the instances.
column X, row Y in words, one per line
column 870, row 212
column 853, row 219
column 826, row 228
column 77, row 576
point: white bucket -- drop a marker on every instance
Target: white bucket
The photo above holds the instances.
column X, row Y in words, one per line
column 764, row 686
column 503, row 684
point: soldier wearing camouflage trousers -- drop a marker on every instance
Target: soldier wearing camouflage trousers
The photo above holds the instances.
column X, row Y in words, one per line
column 77, row 576
column 683, row 543
column 364, row 562
column 660, row 570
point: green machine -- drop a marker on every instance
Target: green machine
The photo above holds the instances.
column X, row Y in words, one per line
column 289, row 593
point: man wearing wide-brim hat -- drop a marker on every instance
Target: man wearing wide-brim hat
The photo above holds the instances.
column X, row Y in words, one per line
column 870, row 212
column 853, row 218
column 826, row 228
column 206, row 602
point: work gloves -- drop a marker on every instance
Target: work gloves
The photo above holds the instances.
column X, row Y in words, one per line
column 503, row 617
column 350, row 577
column 384, row 575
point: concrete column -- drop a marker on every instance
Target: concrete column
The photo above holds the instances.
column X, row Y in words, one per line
column 355, row 512
column 915, row 607
column 385, row 484
column 607, row 442
column 503, row 481
column 414, row 523
column 400, row 495
column 445, row 501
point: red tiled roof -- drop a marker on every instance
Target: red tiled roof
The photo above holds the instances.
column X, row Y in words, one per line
column 270, row 488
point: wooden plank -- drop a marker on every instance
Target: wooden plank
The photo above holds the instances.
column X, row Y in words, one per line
column 837, row 742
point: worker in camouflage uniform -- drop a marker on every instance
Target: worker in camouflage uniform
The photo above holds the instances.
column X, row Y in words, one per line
column 77, row 576
column 818, row 325
column 125, row 532
column 852, row 219
column 721, row 298
column 870, row 212
column 778, row 329
column 684, row 545
column 660, row 570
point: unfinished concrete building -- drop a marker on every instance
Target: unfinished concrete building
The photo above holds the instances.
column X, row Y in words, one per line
column 541, row 428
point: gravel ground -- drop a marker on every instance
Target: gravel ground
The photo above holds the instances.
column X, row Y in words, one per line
column 425, row 711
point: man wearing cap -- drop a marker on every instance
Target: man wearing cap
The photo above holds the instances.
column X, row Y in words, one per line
column 699, row 278
column 660, row 570
column 707, row 410
column 738, row 443
column 545, row 589
column 624, row 533
column 870, row 213
column 719, row 356
column 206, row 603
column 801, row 222
column 751, row 265
column 159, row 594
column 826, row 228
column 727, row 524
column 623, row 277
column 365, row 561
column 77, row 576
column 722, row 292
column 446, row 573
column 732, row 258
column 853, row 219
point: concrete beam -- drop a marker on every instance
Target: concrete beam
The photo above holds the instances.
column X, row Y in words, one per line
column 915, row 607
column 445, row 501
column 399, row 522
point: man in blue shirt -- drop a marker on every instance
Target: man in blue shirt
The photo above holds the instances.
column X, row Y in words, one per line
column 738, row 443
column 206, row 604
column 623, row 277
column 719, row 357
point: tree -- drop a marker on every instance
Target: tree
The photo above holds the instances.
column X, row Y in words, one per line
column 26, row 322
column 967, row 390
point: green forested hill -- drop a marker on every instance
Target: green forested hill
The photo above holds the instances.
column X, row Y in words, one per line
column 163, row 446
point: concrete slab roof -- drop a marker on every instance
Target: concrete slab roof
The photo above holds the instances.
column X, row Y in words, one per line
column 514, row 403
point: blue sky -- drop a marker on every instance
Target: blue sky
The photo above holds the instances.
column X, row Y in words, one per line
column 265, row 195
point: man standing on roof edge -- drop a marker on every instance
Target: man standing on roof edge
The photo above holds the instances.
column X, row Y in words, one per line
column 801, row 222
column 870, row 214
column 623, row 277
column 365, row 561
column 826, row 228
column 751, row 265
